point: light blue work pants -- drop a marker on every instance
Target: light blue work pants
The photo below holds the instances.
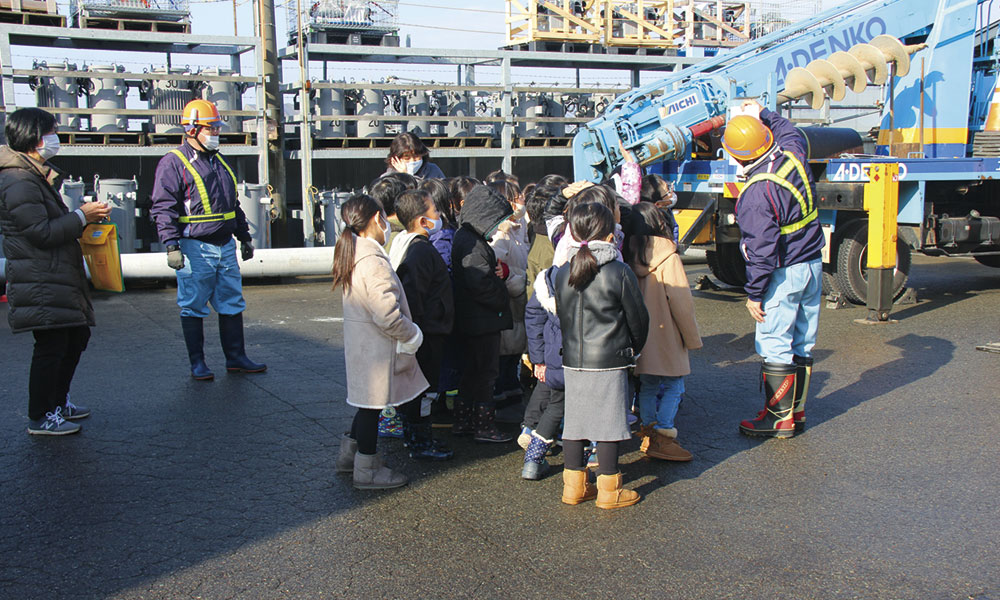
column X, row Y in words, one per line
column 791, row 305
column 211, row 274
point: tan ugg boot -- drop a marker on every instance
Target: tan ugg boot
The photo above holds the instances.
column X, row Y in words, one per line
column 370, row 473
column 664, row 446
column 576, row 488
column 644, row 433
column 345, row 459
column 610, row 493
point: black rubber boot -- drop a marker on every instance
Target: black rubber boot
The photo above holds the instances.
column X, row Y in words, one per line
column 775, row 420
column 486, row 425
column 231, row 336
column 803, row 373
column 194, row 338
column 422, row 444
column 462, row 413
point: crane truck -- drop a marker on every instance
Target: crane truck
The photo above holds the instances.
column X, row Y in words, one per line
column 927, row 185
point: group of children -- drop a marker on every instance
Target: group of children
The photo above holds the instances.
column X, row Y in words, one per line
column 448, row 284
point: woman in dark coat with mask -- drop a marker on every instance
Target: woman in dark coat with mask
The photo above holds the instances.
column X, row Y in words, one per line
column 407, row 154
column 47, row 289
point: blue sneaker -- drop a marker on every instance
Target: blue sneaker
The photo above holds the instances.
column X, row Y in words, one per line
column 524, row 438
column 73, row 412
column 52, row 424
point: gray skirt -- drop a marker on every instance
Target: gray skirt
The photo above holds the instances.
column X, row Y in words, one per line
column 596, row 405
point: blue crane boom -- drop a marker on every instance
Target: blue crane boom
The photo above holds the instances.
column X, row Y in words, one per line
column 843, row 48
column 939, row 67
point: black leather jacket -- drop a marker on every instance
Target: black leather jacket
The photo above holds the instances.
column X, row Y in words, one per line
column 605, row 325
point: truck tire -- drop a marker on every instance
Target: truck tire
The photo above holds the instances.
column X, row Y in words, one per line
column 727, row 264
column 988, row 261
column 852, row 271
column 829, row 281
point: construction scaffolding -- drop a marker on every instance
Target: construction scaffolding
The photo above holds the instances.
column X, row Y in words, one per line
column 667, row 24
column 768, row 16
column 358, row 22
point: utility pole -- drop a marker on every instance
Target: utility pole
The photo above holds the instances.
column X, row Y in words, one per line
column 305, row 137
column 273, row 112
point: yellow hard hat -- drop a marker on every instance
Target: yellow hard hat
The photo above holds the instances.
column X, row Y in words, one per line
column 746, row 138
column 200, row 112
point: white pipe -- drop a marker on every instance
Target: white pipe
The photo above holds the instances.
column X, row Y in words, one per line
column 272, row 262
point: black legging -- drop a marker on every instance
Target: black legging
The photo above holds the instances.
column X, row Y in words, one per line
column 607, row 456
column 545, row 410
column 53, row 363
column 364, row 429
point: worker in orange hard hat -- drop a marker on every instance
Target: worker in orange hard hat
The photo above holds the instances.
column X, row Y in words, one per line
column 747, row 138
column 197, row 213
column 782, row 243
column 200, row 113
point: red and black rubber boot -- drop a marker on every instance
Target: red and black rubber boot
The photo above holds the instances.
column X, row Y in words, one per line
column 803, row 373
column 775, row 420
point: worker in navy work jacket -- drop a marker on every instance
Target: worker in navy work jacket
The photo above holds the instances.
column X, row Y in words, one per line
column 782, row 243
column 197, row 213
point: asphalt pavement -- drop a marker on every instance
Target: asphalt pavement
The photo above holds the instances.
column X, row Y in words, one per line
column 184, row 489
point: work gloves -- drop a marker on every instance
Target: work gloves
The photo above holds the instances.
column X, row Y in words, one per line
column 175, row 260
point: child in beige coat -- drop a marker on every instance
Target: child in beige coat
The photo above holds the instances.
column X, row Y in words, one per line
column 380, row 340
column 661, row 368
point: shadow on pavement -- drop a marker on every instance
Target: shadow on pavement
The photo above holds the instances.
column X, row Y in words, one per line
column 170, row 473
column 177, row 478
column 922, row 356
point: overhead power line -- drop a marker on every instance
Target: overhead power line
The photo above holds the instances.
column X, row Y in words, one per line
column 451, row 28
column 477, row 10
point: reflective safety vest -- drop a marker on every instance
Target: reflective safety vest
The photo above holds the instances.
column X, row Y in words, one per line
column 806, row 205
column 199, row 183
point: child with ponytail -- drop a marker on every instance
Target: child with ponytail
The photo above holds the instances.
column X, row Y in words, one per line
column 604, row 326
column 380, row 340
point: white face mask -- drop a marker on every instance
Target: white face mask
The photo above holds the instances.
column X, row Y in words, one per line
column 519, row 211
column 211, row 142
column 413, row 167
column 386, row 232
column 435, row 225
column 49, row 147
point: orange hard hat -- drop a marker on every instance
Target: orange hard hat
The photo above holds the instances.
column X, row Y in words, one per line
column 746, row 138
column 200, row 112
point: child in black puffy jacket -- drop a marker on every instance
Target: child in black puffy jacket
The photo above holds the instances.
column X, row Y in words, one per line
column 482, row 311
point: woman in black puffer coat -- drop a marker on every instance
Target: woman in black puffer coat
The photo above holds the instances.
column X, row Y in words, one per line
column 47, row 289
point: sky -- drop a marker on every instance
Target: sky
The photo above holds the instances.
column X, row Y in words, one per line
column 472, row 24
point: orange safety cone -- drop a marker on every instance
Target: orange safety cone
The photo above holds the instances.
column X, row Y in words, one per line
column 993, row 117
